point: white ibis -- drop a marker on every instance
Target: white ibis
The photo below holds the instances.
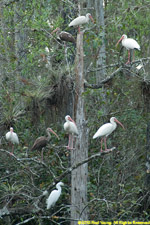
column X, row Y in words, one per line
column 63, row 35
column 42, row 141
column 54, row 196
column 106, row 130
column 81, row 20
column 129, row 44
column 70, row 128
column 12, row 137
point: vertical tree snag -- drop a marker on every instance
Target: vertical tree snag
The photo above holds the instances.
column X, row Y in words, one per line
column 101, row 60
column 20, row 33
column 146, row 97
column 79, row 175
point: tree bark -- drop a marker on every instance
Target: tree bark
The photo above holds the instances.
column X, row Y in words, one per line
column 148, row 156
column 79, row 175
column 4, row 55
column 101, row 58
column 20, row 31
column 101, row 61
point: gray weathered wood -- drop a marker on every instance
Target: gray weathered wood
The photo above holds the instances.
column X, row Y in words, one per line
column 79, row 175
column 101, row 61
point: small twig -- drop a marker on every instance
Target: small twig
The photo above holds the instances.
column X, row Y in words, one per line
column 95, row 199
column 24, row 159
column 96, row 86
column 26, row 221
column 50, row 35
column 69, row 170
column 117, row 64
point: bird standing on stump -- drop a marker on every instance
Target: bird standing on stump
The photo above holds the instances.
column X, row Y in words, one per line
column 54, row 196
column 81, row 20
column 42, row 141
column 129, row 44
column 70, row 128
column 106, row 130
column 12, row 137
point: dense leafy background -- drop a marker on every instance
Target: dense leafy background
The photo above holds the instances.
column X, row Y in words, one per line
column 37, row 79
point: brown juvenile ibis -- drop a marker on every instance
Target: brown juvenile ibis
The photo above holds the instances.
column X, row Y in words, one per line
column 42, row 141
column 81, row 20
column 129, row 44
column 12, row 137
column 107, row 129
column 63, row 35
column 70, row 128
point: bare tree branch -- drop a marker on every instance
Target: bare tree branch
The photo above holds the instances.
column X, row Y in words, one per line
column 122, row 67
column 117, row 64
column 34, row 208
column 26, row 221
column 96, row 86
column 79, row 164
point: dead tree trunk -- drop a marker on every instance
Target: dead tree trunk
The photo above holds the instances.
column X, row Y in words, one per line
column 146, row 95
column 101, row 61
column 148, row 156
column 79, row 210
column 20, row 40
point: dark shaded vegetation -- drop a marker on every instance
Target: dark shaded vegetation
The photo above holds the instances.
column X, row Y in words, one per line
column 37, row 90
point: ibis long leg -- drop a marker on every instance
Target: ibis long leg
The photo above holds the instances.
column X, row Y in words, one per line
column 128, row 57
column 69, row 141
column 12, row 146
column 101, row 144
column 42, row 154
column 79, row 29
column 133, row 55
column 72, row 142
column 105, row 144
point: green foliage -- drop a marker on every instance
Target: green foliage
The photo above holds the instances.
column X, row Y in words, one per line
column 128, row 18
column 33, row 90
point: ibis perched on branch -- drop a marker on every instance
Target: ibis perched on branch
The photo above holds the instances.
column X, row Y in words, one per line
column 63, row 35
column 70, row 128
column 12, row 137
column 129, row 44
column 81, row 20
column 54, row 196
column 42, row 141
column 106, row 130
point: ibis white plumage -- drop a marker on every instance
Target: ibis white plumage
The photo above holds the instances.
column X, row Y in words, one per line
column 106, row 130
column 129, row 44
column 12, row 137
column 54, row 196
column 70, row 128
column 81, row 20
